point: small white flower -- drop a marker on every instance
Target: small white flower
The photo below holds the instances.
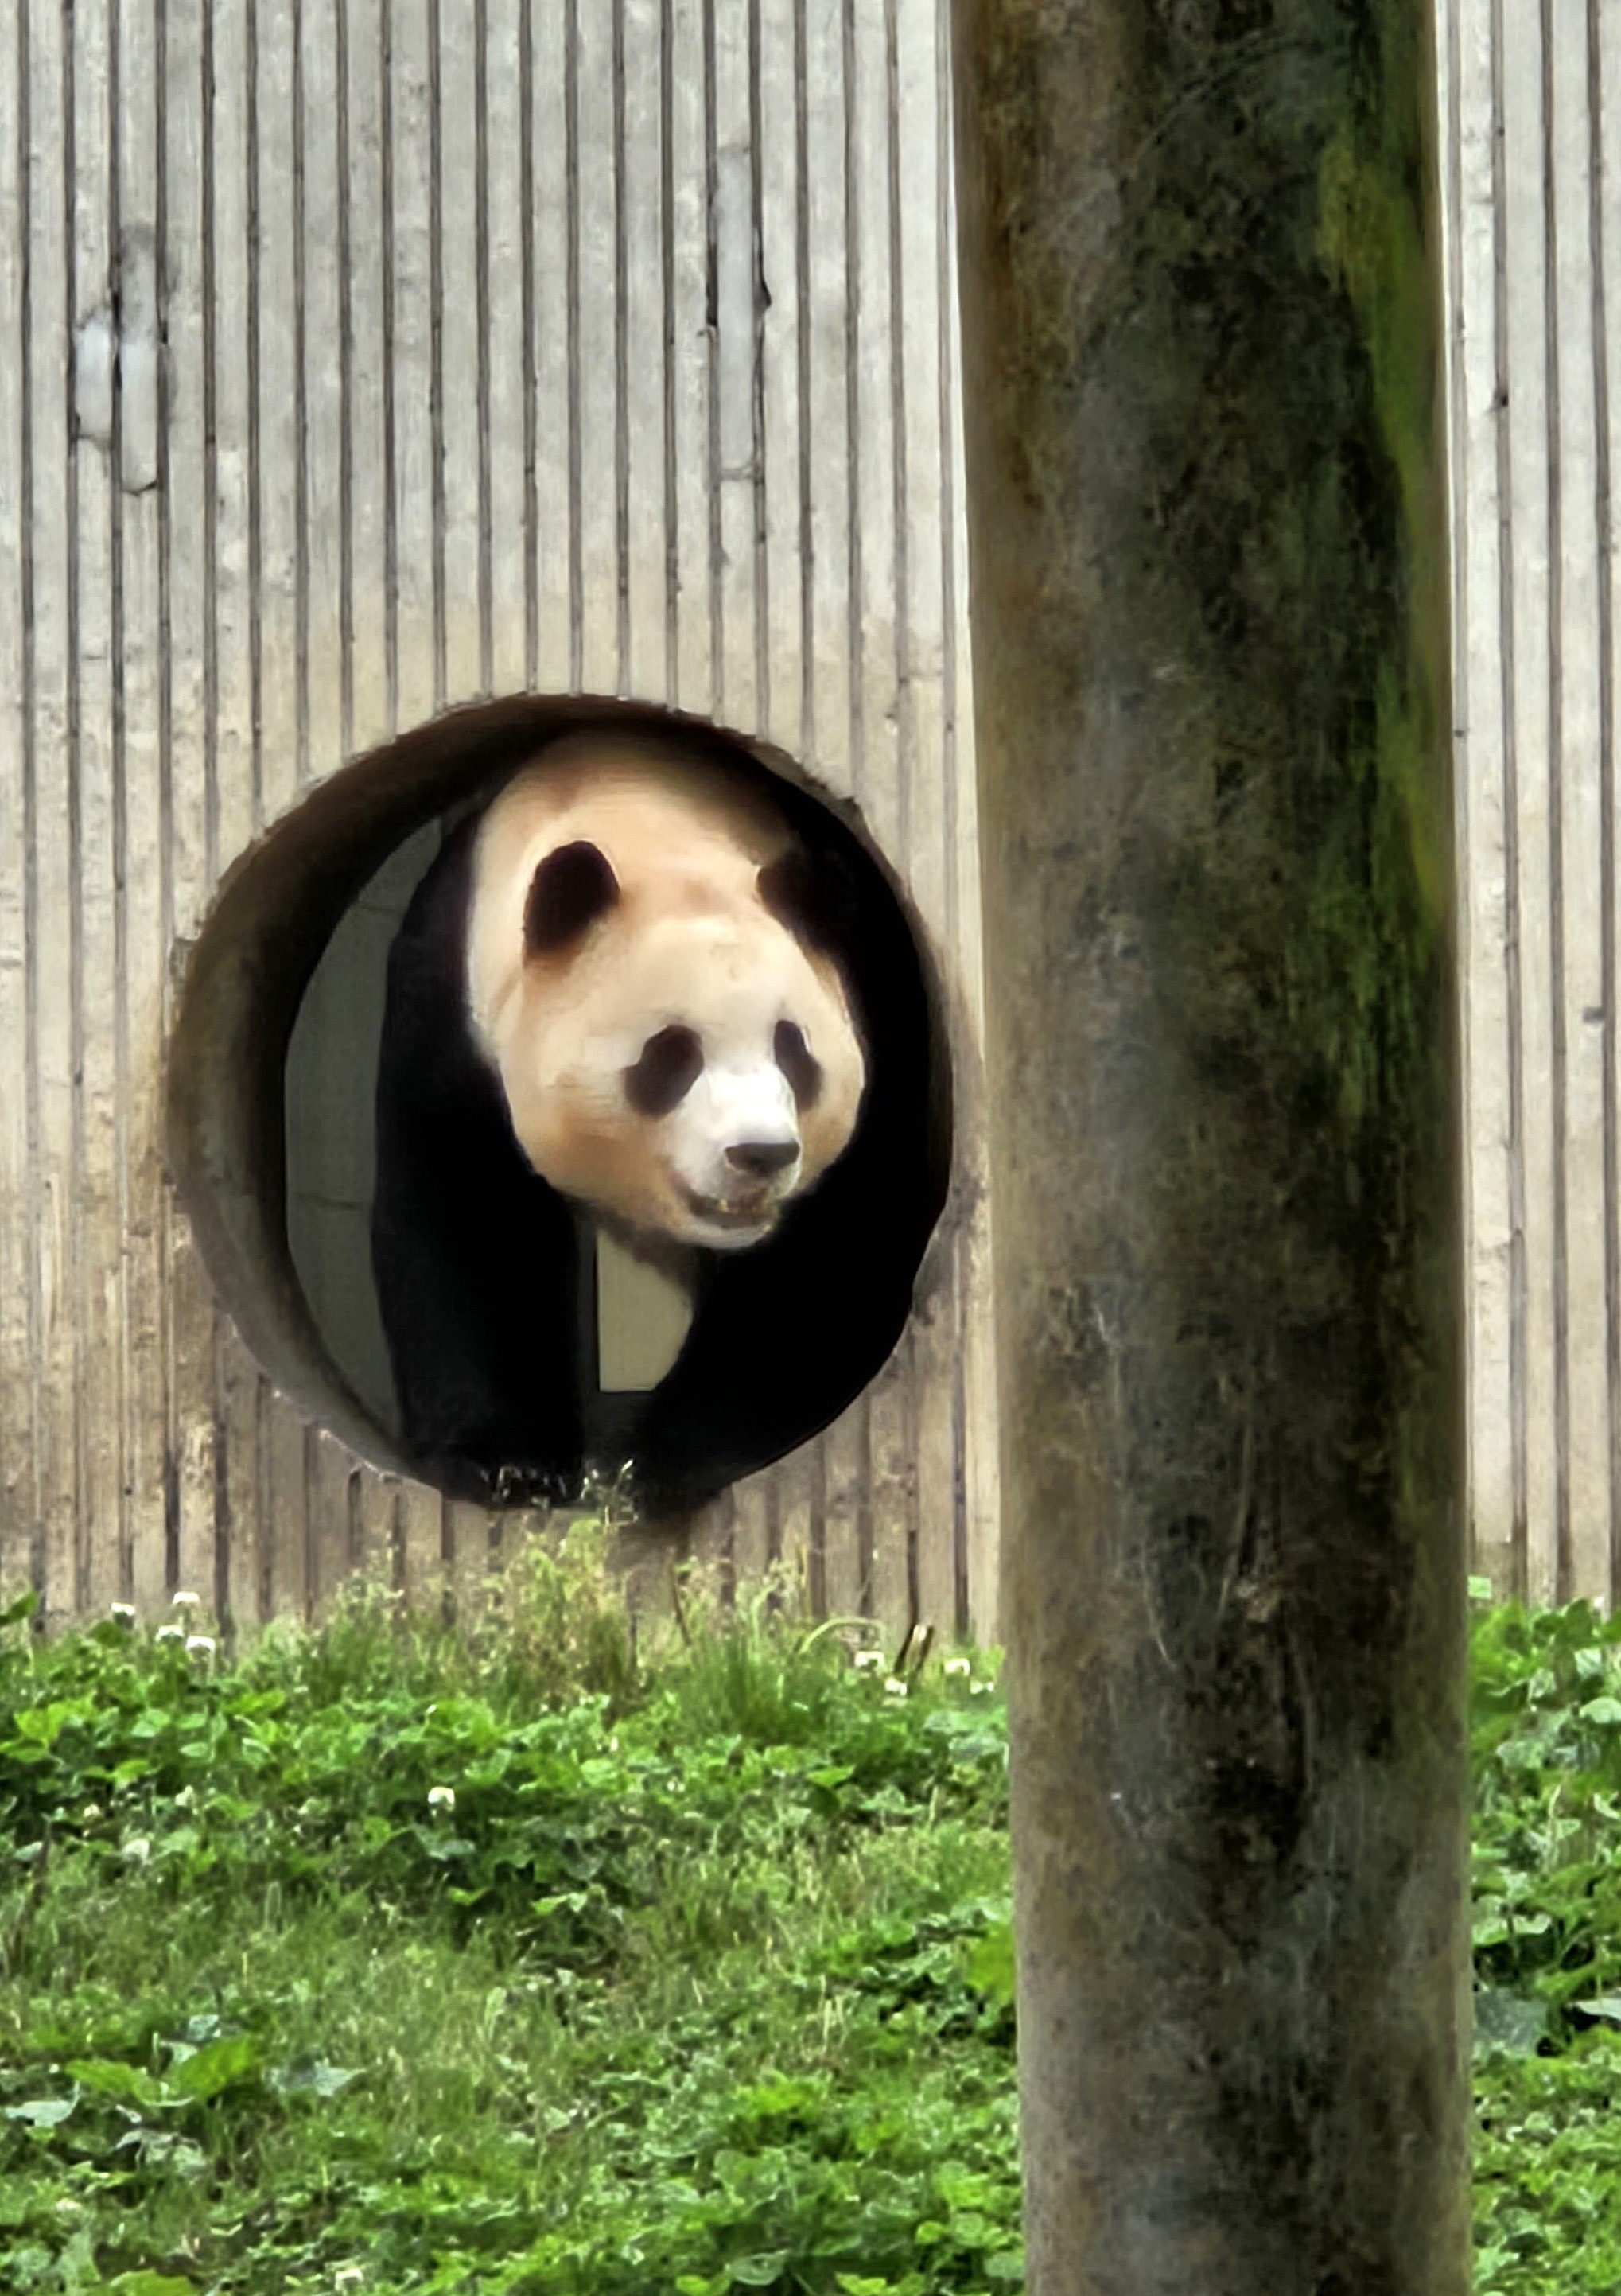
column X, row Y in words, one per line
column 170, row 1635
column 199, row 1647
column 441, row 1797
column 185, row 1799
column 92, row 1814
column 124, row 1614
column 185, row 1602
column 895, row 1687
column 136, row 1852
column 865, row 1662
column 348, row 2276
column 958, row 1666
column 978, row 1688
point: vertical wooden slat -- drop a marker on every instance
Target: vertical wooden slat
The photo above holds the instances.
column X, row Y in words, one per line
column 461, row 326
column 189, row 1561
column 918, row 150
column 233, row 791
column 550, row 144
column 142, row 955
column 780, row 329
column 893, row 1492
column 280, row 596
column 977, row 1528
column 367, row 364
column 231, row 388
column 688, row 324
column 1582, row 824
column 88, row 795
column 378, row 1507
column 742, row 481
column 17, row 1362
column 331, row 1468
column 276, row 243
column 794, row 1478
column 185, row 593
column 751, row 1528
column 509, row 538
column 642, row 224
column 846, row 1568
column 823, row 356
column 94, row 1238
column 1523, row 287
column 54, row 742
column 418, row 1543
column 473, row 1543
column 1604, row 230
column 881, row 734
column 284, row 1506
column 594, row 477
column 244, row 1597
column 410, row 352
column 465, row 512
column 324, row 385
column 1490, row 1055
column 735, row 452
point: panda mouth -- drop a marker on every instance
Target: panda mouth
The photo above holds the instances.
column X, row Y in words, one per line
column 757, row 1214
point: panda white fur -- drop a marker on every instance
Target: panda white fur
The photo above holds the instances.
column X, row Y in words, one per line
column 645, row 988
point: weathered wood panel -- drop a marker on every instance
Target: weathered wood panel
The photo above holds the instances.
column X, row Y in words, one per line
column 1530, row 99
column 605, row 349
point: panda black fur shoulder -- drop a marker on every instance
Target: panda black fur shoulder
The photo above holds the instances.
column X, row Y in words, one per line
column 636, row 989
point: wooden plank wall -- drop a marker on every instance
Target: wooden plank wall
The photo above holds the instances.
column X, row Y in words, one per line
column 565, row 344
column 1531, row 153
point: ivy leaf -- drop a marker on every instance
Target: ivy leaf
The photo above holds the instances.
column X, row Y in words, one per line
column 763, row 2270
column 214, row 2067
column 310, row 2077
column 1507, row 2021
column 1604, row 2005
column 108, row 2077
column 43, row 2112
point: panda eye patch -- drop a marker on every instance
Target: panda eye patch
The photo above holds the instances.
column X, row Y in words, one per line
column 669, row 1067
column 797, row 1064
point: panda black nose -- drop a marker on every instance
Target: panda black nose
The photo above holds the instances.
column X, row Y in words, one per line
column 758, row 1159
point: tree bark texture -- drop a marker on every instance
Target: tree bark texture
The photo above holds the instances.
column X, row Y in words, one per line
column 1202, row 384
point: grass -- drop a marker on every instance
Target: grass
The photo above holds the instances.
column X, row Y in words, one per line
column 387, row 1960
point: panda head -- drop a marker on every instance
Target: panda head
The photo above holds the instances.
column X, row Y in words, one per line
column 672, row 1035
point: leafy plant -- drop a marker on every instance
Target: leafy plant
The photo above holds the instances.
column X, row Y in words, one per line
column 528, row 1956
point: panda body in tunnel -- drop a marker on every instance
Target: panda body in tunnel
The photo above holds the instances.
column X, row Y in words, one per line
column 650, row 988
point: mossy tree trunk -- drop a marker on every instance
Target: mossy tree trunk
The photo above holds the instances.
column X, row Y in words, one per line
column 1202, row 385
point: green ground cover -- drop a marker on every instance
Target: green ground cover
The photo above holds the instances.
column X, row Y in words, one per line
column 387, row 1961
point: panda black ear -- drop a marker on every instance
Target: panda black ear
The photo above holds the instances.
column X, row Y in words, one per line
column 802, row 897
column 571, row 889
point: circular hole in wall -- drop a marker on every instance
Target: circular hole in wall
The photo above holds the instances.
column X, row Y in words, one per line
column 272, row 1093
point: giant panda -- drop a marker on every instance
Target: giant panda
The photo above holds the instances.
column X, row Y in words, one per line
column 646, row 988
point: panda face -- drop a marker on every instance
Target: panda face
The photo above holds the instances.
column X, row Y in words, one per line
column 674, row 1054
column 686, row 1076
column 727, row 1122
